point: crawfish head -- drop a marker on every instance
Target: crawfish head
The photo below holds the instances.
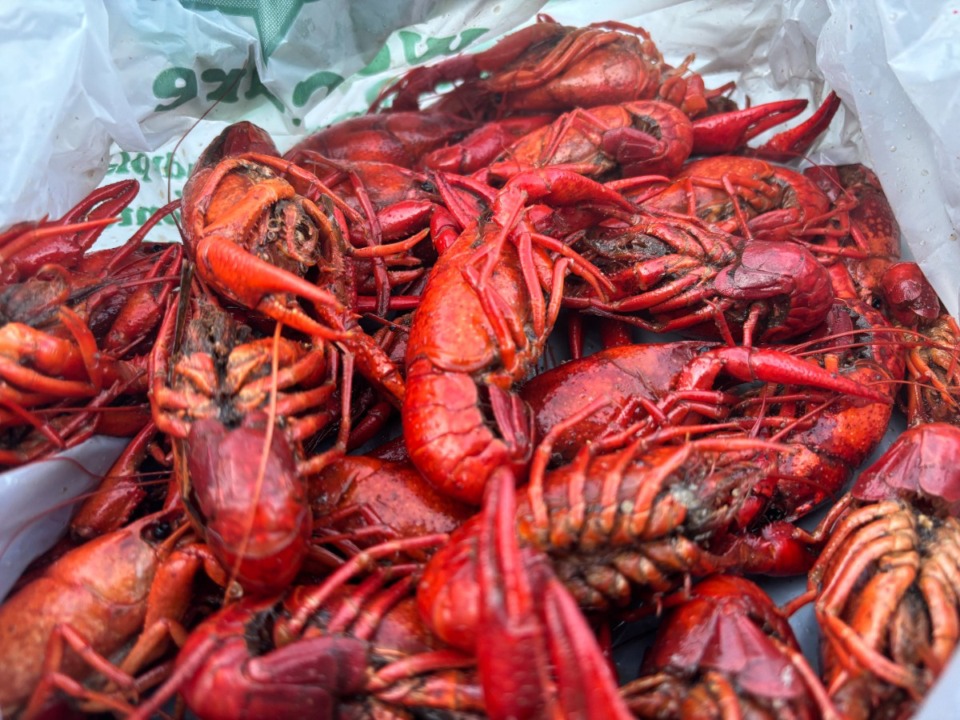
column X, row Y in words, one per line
column 727, row 647
column 922, row 466
column 239, row 138
column 247, row 499
column 909, row 295
column 796, row 285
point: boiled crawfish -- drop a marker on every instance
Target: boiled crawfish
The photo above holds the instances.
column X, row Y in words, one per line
column 484, row 317
column 254, row 237
column 363, row 653
column 552, row 67
column 92, row 602
column 673, row 273
column 885, row 587
column 397, row 138
column 212, row 398
column 726, row 648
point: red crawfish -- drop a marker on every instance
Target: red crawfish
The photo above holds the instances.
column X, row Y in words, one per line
column 675, row 273
column 933, row 365
column 630, row 377
column 633, row 523
column 255, row 239
column 484, row 316
column 638, row 137
column 745, row 196
column 726, row 651
column 729, row 131
column 28, row 246
column 551, row 67
column 122, row 490
column 400, row 138
column 367, row 499
column 830, row 432
column 55, row 392
column 536, row 655
column 92, row 602
column 72, row 333
column 885, row 587
column 826, row 431
column 238, row 430
column 644, row 137
column 383, row 202
column 554, row 666
column 118, row 292
column 333, row 650
column 867, row 238
column 478, row 149
column 670, row 513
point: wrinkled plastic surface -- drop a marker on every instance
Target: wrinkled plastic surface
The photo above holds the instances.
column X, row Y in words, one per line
column 79, row 76
column 36, row 501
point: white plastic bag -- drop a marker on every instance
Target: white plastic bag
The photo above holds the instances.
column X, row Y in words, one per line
column 139, row 74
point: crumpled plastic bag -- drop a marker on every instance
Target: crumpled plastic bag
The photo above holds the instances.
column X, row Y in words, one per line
column 98, row 93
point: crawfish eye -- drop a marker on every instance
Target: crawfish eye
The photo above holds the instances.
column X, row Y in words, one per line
column 158, row 531
column 876, row 303
column 428, row 187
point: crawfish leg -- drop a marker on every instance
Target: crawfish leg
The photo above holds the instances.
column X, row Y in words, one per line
column 54, row 679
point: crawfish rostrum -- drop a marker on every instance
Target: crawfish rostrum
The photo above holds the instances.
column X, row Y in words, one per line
column 401, row 277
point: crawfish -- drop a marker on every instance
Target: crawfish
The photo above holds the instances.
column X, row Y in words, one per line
column 481, row 147
column 638, row 137
column 333, row 649
column 727, row 648
column 745, row 196
column 635, row 522
column 678, row 274
column 26, row 247
column 672, row 383
column 885, row 586
column 365, row 493
column 55, row 392
column 400, row 138
column 254, row 239
column 552, row 67
column 483, row 319
column 931, row 359
column 537, row 657
column 212, row 398
column 632, row 377
column 382, row 201
column 89, row 604
column 617, row 528
column 645, row 137
column 872, row 241
column 117, row 293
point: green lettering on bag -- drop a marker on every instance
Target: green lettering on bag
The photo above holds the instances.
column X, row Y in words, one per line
column 141, row 166
column 227, row 83
column 436, row 46
column 379, row 63
column 305, row 88
column 178, row 84
column 122, row 167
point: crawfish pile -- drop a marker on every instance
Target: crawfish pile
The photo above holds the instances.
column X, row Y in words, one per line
column 252, row 557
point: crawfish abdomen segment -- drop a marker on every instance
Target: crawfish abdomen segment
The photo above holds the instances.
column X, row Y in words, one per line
column 620, row 530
